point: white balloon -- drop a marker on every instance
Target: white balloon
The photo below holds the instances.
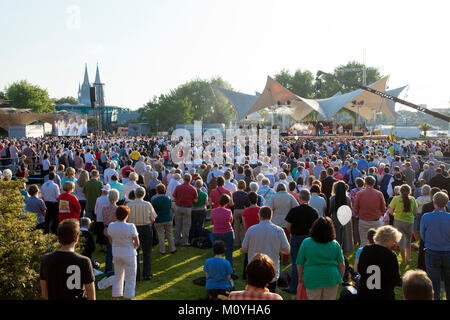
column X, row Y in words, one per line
column 344, row 214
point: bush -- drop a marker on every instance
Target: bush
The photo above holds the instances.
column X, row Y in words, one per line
column 21, row 248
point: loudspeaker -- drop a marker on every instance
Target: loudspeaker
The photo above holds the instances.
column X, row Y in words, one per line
column 358, row 133
column 93, row 96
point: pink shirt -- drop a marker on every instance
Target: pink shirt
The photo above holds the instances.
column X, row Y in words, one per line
column 221, row 219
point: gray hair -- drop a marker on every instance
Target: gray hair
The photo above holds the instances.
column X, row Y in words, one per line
column 387, row 233
column 305, row 195
column 140, row 192
column 113, row 196
column 154, row 175
column 85, row 222
column 177, row 176
column 253, row 186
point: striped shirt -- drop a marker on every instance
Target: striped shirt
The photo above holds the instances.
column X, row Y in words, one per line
column 254, row 293
column 141, row 213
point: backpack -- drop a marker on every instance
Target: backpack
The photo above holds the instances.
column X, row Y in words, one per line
column 203, row 241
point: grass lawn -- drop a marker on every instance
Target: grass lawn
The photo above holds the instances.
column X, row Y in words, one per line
column 173, row 274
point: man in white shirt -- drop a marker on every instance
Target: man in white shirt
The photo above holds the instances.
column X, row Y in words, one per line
column 228, row 184
column 109, row 172
column 50, row 193
column 88, row 159
column 140, row 166
column 174, row 182
column 102, row 202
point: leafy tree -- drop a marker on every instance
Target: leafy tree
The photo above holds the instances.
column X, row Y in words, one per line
column 25, row 95
column 425, row 127
column 3, row 95
column 21, row 248
column 70, row 100
column 300, row 83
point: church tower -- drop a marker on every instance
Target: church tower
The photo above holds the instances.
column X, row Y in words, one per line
column 84, row 95
column 99, row 89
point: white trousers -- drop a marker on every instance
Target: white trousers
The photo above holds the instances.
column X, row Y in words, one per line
column 124, row 270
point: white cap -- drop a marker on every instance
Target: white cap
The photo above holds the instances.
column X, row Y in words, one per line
column 106, row 188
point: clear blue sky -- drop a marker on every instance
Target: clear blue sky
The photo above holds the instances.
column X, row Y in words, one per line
column 145, row 48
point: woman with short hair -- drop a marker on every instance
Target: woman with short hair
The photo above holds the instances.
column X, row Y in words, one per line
column 378, row 266
column 109, row 216
column 320, row 262
column 404, row 209
column 124, row 240
column 163, row 222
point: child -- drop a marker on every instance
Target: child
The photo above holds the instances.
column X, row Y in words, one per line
column 89, row 244
column 218, row 272
column 370, row 234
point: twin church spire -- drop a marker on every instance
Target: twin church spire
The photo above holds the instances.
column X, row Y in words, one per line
column 84, row 91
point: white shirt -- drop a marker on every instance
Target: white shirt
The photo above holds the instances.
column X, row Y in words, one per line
column 101, row 203
column 88, row 158
column 230, row 186
column 130, row 185
column 108, row 174
column 50, row 191
column 171, row 188
column 122, row 235
column 45, row 164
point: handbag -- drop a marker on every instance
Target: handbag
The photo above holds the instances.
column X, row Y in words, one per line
column 301, row 291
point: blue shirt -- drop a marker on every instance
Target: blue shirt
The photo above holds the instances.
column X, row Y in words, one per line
column 316, row 171
column 343, row 170
column 355, row 173
column 36, row 206
column 435, row 230
column 363, row 165
column 218, row 269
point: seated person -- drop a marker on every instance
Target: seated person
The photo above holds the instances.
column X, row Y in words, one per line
column 218, row 272
column 260, row 272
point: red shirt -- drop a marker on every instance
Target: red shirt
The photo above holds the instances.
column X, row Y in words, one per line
column 251, row 216
column 370, row 204
column 125, row 169
column 221, row 218
column 69, row 207
column 217, row 193
column 185, row 195
column 166, row 154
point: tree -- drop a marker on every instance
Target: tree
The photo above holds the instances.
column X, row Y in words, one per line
column 425, row 127
column 21, row 248
column 3, row 95
column 70, row 100
column 25, row 95
column 300, row 83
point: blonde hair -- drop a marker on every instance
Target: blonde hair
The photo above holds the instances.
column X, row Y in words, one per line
column 387, row 233
column 68, row 185
column 133, row 176
column 82, row 178
column 70, row 172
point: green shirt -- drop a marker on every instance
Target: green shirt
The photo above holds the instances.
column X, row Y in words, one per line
column 320, row 263
column 119, row 187
column 92, row 189
column 399, row 214
column 201, row 199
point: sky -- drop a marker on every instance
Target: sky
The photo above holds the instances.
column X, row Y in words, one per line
column 146, row 48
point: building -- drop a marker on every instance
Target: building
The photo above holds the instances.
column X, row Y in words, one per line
column 110, row 114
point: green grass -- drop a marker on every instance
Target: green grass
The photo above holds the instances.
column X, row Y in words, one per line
column 173, row 274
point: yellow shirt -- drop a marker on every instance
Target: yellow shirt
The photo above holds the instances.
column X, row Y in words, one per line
column 135, row 155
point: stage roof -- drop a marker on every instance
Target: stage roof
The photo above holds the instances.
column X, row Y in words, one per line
column 300, row 107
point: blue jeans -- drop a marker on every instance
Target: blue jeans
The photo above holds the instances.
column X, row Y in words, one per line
column 109, row 271
column 438, row 269
column 146, row 241
column 296, row 242
column 197, row 221
column 228, row 238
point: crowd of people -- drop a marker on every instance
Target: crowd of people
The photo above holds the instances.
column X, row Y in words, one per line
column 127, row 193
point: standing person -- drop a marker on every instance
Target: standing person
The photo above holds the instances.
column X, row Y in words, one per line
column 102, row 202
column 268, row 238
column 89, row 160
column 404, row 209
column 344, row 234
column 68, row 205
column 281, row 203
column 353, row 173
column 318, row 202
column 299, row 222
column 50, row 193
column 58, row 268
column 163, row 222
column 355, row 217
column 435, row 231
column 92, row 189
column 260, row 272
column 370, row 207
column 240, row 200
column 35, row 206
column 216, row 193
column 109, row 216
column 185, row 195
column 198, row 213
column 143, row 216
column 130, row 185
column 124, row 240
column 320, row 261
column 378, row 266
column 222, row 219
column 115, row 184
column 82, row 179
column 250, row 218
